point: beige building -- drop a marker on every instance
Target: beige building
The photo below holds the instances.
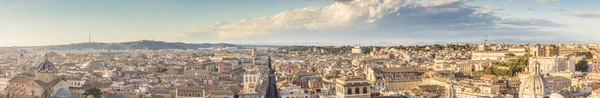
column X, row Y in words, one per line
column 544, row 51
column 191, row 92
column 594, row 65
column 398, row 79
column 467, row 91
column 558, row 83
column 399, row 85
column 352, row 87
column 45, row 84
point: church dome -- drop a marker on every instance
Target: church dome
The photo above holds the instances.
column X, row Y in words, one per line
column 93, row 64
column 46, row 65
column 63, row 92
column 534, row 85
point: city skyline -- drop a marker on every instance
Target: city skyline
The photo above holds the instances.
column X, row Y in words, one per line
column 345, row 22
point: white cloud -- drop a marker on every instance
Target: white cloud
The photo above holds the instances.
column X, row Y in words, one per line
column 384, row 18
column 585, row 14
column 337, row 16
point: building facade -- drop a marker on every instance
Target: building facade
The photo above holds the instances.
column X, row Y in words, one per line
column 352, row 87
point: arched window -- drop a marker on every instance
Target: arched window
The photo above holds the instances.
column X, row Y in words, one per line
column 189, row 94
column 349, row 91
column 180, row 94
column 357, row 90
column 365, row 90
column 199, row 95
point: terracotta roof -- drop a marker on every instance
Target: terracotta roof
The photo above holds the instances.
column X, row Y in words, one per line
column 395, row 70
column 487, row 77
column 597, row 91
column 20, row 80
column 221, row 92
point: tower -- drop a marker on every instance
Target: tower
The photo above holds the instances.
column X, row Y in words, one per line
column 483, row 47
column 253, row 56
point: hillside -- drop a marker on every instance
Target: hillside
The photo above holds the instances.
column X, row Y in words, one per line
column 145, row 44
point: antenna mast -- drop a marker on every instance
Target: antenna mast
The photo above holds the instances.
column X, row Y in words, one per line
column 90, row 38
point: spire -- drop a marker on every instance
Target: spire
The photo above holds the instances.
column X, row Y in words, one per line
column 45, row 56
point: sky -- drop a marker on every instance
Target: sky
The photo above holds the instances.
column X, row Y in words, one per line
column 322, row 22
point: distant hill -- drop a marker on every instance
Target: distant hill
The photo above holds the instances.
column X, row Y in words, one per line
column 144, row 44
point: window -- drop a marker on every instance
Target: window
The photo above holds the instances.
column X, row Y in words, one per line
column 349, row 91
column 199, row 95
column 189, row 94
column 365, row 90
column 357, row 91
column 180, row 94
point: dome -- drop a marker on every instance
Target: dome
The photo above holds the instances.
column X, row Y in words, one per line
column 63, row 92
column 92, row 64
column 46, row 65
column 534, row 86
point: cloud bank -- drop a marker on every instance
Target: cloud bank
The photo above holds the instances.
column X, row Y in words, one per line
column 393, row 19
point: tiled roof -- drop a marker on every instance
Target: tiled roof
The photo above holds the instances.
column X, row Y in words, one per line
column 49, row 84
column 395, row 70
column 46, row 66
column 20, row 80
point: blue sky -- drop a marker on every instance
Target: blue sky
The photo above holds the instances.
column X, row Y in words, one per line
column 31, row 22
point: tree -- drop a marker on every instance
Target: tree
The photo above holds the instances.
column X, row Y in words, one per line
column 528, row 55
column 581, row 66
column 585, row 54
column 93, row 92
column 509, row 55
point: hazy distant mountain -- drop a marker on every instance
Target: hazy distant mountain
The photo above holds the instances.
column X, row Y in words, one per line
column 145, row 44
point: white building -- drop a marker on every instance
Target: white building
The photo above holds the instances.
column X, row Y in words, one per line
column 251, row 80
column 3, row 84
column 477, row 92
column 357, row 50
column 293, row 91
column 553, row 64
column 496, row 55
